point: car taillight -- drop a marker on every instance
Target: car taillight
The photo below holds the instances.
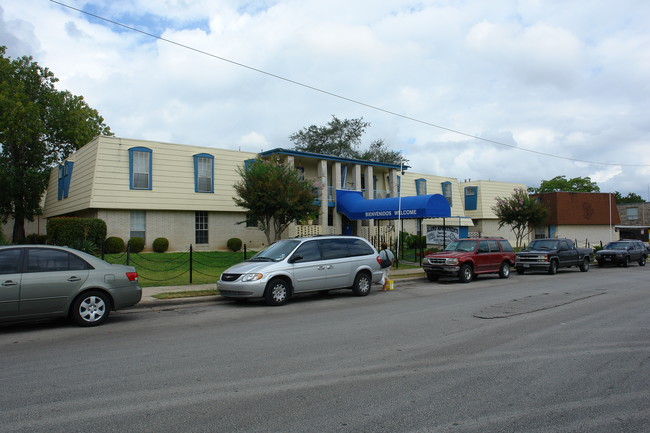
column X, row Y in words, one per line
column 132, row 276
column 379, row 260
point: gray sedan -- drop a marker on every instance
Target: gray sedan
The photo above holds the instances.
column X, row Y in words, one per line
column 38, row 281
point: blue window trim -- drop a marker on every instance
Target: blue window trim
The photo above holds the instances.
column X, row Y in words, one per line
column 65, row 176
column 471, row 200
column 131, row 152
column 196, row 172
column 446, row 187
column 420, row 186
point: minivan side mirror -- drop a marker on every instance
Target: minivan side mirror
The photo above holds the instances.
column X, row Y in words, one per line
column 295, row 258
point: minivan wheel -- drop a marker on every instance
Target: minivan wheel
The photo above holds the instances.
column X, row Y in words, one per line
column 277, row 292
column 361, row 285
column 90, row 308
column 465, row 273
column 504, row 271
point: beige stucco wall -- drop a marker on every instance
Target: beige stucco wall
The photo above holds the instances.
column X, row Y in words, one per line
column 178, row 228
column 590, row 235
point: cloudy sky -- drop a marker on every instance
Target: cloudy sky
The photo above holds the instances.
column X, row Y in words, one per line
column 506, row 90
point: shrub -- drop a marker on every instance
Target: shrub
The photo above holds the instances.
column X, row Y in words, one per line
column 36, row 239
column 87, row 246
column 136, row 244
column 234, row 244
column 113, row 245
column 70, row 231
column 160, row 245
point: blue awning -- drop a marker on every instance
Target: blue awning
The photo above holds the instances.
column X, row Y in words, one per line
column 355, row 207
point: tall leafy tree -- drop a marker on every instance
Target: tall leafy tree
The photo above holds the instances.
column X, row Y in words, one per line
column 561, row 183
column 274, row 195
column 39, row 127
column 343, row 138
column 521, row 212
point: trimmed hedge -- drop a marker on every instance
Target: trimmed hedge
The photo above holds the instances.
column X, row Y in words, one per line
column 136, row 244
column 114, row 245
column 73, row 231
column 160, row 245
column 234, row 244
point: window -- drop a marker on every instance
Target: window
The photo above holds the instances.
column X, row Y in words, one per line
column 333, row 249
column 250, row 221
column 420, row 187
column 471, row 197
column 9, row 261
column 483, row 247
column 494, row 246
column 65, row 175
column 446, row 191
column 201, row 227
column 47, row 260
column 505, row 246
column 309, row 251
column 358, row 247
column 138, row 224
column 632, row 213
column 140, row 168
column 203, row 173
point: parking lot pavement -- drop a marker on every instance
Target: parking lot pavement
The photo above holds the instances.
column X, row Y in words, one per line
column 148, row 293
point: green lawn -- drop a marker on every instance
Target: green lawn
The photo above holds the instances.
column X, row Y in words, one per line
column 172, row 269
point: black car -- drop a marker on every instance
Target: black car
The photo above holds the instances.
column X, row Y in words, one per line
column 622, row 253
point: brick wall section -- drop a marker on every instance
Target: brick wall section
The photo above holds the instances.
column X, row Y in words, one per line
column 580, row 208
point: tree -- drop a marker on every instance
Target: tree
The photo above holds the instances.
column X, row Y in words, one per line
column 39, row 127
column 379, row 152
column 342, row 138
column 521, row 212
column 274, row 195
column 560, row 183
column 629, row 198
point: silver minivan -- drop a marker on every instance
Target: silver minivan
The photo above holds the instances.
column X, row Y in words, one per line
column 301, row 265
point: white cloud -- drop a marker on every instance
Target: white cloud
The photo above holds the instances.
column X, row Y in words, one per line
column 567, row 79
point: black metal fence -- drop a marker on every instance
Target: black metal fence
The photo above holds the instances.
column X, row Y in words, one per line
column 179, row 267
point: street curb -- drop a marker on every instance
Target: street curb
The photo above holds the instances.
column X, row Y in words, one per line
column 165, row 303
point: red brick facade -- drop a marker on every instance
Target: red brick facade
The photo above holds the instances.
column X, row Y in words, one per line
column 580, row 208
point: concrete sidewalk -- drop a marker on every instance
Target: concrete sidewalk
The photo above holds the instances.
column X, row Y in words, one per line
column 148, row 293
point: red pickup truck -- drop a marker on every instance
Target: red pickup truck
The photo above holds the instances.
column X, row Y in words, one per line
column 467, row 258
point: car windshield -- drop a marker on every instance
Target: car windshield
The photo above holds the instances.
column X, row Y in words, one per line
column 616, row 246
column 276, row 251
column 466, row 246
column 543, row 244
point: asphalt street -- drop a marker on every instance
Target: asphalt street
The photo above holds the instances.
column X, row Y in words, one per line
column 533, row 353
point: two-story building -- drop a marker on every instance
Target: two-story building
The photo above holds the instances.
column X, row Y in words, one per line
column 185, row 194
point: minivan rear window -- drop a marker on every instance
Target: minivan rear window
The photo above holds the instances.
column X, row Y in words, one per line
column 358, row 247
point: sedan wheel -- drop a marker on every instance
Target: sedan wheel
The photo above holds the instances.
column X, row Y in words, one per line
column 642, row 261
column 90, row 308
